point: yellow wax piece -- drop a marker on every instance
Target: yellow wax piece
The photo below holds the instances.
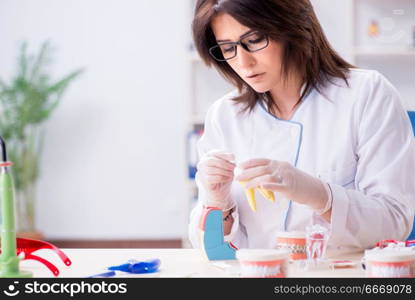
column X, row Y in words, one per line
column 250, row 195
column 267, row 194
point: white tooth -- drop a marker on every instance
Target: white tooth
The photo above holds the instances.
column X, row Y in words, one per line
column 260, row 271
column 381, row 271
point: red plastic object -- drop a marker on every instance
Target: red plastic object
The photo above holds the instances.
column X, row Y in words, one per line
column 48, row 264
column 28, row 246
column 384, row 243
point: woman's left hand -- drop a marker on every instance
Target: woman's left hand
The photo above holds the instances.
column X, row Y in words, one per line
column 282, row 177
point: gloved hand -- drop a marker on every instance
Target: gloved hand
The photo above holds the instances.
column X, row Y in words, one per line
column 215, row 173
column 282, row 177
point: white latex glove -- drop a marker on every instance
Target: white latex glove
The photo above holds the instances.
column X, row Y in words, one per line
column 215, row 173
column 282, row 177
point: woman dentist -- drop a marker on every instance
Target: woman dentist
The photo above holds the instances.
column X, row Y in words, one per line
column 332, row 139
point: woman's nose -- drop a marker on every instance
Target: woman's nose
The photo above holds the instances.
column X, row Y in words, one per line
column 244, row 58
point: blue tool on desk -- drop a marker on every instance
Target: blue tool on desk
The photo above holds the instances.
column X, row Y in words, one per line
column 105, row 274
column 132, row 266
column 212, row 238
column 138, row 267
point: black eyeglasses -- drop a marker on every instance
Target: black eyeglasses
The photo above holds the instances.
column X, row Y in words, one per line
column 251, row 42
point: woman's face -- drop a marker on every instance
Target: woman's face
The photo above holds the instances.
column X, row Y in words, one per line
column 261, row 69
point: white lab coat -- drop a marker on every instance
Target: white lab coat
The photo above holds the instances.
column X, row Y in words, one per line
column 357, row 139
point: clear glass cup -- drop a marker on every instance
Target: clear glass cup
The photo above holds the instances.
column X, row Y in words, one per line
column 316, row 242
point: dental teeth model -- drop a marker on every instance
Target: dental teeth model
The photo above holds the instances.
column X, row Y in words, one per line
column 263, row 263
column 393, row 262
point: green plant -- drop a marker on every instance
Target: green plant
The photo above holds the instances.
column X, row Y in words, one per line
column 26, row 102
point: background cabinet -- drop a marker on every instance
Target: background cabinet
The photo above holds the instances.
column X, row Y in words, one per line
column 391, row 51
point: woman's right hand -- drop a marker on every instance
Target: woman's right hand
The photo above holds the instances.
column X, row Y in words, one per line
column 215, row 171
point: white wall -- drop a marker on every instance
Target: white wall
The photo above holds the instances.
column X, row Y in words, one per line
column 335, row 18
column 114, row 158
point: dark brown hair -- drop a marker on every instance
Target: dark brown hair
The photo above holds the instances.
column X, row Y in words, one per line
column 291, row 22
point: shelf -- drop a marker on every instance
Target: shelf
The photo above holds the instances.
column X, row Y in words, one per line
column 386, row 51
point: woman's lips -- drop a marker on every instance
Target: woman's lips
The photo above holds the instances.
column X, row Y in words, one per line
column 255, row 76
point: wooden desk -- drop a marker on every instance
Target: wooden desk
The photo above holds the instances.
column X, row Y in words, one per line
column 174, row 263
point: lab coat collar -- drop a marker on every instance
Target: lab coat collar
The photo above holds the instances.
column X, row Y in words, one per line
column 265, row 108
